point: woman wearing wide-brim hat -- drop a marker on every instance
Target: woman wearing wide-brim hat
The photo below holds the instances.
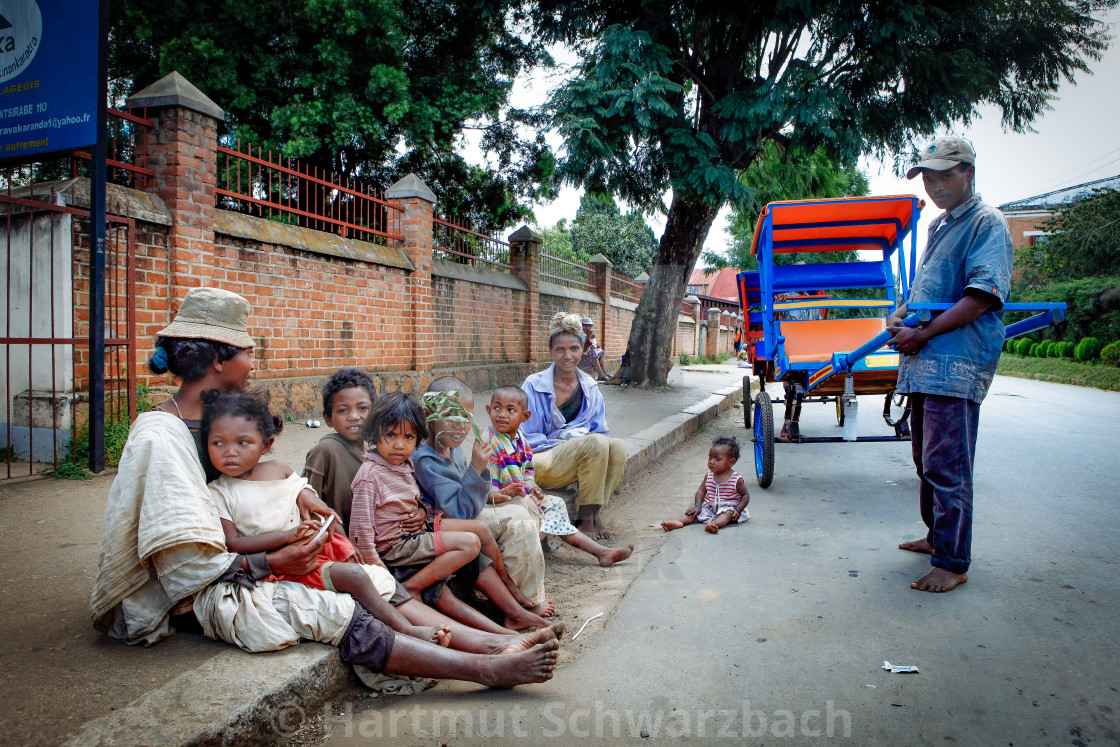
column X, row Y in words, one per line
column 163, row 550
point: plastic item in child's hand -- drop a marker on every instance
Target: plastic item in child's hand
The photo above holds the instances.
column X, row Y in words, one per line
column 323, row 529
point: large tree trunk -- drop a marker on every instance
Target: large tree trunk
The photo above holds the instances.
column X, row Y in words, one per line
column 650, row 348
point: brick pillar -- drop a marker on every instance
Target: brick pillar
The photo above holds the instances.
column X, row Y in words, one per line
column 418, row 202
column 602, row 267
column 182, row 150
column 525, row 256
column 695, row 324
column 712, row 346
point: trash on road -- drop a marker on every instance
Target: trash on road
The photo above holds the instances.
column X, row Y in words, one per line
column 899, row 669
column 581, row 627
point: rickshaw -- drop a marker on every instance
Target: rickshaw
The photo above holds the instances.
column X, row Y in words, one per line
column 822, row 346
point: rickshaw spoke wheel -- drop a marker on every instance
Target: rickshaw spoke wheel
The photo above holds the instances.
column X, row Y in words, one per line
column 764, row 439
column 839, row 411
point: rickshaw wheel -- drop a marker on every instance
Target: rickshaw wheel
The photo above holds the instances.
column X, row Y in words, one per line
column 747, row 402
column 764, row 439
column 839, row 412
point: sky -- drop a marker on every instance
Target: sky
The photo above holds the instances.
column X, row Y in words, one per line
column 1075, row 142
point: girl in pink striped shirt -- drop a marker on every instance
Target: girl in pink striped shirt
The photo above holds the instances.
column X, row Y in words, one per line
column 722, row 496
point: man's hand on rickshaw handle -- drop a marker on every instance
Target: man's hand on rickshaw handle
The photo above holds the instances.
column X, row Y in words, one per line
column 909, row 340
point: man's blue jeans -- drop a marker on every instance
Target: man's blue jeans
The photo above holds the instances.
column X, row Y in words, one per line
column 944, row 444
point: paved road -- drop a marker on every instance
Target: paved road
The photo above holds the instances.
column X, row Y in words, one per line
column 776, row 631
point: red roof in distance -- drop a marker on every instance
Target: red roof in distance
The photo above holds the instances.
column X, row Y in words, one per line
column 718, row 283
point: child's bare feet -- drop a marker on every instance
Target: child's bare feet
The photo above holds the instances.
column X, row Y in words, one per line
column 544, row 609
column 437, row 634
column 669, row 526
column 534, row 665
column 518, row 596
column 939, row 580
column 524, row 619
column 711, row 527
column 526, row 641
column 921, row 545
column 610, row 556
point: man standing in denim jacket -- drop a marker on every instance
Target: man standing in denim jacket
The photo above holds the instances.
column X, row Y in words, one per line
column 947, row 364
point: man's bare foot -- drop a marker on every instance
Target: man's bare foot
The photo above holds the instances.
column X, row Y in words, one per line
column 534, row 665
column 437, row 634
column 922, row 546
column 524, row 619
column 669, row 526
column 526, row 641
column 544, row 609
column 601, row 532
column 939, row 580
column 711, row 527
column 610, row 556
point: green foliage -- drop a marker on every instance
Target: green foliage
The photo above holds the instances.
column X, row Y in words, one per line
column 686, row 359
column 1093, row 306
column 1050, row 349
column 1009, row 346
column 1089, row 349
column 786, row 174
column 1110, row 353
column 1068, row 350
column 626, row 240
column 1023, row 346
column 1083, row 242
column 557, row 241
column 1061, row 371
column 1033, row 350
column 360, row 87
column 447, row 407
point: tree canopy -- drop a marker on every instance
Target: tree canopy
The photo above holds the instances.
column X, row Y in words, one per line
column 601, row 228
column 365, row 88
column 683, row 96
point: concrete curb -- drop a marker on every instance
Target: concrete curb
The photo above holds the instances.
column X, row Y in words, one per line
column 237, row 697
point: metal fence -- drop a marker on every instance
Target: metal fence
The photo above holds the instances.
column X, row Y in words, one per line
column 127, row 159
column 282, row 189
column 565, row 272
column 624, row 287
column 454, row 241
column 45, row 320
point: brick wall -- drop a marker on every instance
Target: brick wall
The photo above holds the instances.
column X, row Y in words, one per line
column 320, row 301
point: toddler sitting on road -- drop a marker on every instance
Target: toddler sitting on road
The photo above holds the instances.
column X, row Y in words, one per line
column 722, row 496
column 511, row 467
column 256, row 503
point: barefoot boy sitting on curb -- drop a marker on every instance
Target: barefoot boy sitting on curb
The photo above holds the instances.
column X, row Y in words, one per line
column 722, row 496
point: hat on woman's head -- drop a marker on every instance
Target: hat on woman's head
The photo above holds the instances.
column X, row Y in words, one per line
column 212, row 314
column 562, row 322
column 586, row 321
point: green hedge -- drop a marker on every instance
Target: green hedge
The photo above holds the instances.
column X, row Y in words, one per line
column 1089, row 349
column 1093, row 307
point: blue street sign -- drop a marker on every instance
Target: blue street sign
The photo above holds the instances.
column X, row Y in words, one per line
column 48, row 76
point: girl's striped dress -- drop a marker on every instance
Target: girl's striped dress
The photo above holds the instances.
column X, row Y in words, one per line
column 720, row 497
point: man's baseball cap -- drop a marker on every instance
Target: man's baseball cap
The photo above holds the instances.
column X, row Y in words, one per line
column 944, row 153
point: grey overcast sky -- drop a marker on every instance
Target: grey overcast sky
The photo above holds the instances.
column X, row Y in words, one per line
column 1076, row 141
